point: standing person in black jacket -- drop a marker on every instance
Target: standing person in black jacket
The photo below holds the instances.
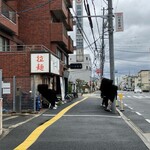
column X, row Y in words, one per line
column 52, row 98
column 105, row 89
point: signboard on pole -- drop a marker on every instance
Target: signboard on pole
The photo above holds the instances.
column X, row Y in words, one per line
column 1, row 103
column 55, row 65
column 1, row 107
column 98, row 71
column 119, row 22
column 62, row 89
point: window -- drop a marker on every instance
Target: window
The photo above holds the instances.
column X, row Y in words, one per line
column 87, row 67
column 79, row 13
column 65, row 60
column 79, row 7
column 4, row 44
column 59, row 54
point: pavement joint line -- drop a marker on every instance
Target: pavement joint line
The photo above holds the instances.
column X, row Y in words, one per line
column 48, row 115
column 139, row 132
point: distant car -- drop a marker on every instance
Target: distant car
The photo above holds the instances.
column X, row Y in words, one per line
column 137, row 90
column 129, row 89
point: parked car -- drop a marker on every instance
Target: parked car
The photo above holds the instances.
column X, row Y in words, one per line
column 137, row 90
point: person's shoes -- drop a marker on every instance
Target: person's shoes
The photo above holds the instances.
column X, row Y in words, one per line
column 54, row 107
column 49, row 106
column 106, row 109
column 103, row 105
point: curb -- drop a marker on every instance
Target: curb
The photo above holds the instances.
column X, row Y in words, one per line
column 139, row 132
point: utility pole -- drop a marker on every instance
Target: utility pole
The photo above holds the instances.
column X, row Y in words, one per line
column 111, row 47
column 1, row 104
column 102, row 48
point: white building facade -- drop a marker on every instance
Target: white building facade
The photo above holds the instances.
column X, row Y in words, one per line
column 83, row 74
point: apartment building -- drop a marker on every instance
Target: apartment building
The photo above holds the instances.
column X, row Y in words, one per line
column 34, row 46
column 144, row 80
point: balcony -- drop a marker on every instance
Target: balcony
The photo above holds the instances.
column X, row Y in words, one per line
column 69, row 22
column 59, row 34
column 58, row 8
column 9, row 19
column 70, row 45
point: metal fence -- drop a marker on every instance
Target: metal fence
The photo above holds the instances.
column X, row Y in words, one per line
column 18, row 94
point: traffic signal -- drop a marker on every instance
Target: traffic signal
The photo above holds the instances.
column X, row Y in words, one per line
column 76, row 66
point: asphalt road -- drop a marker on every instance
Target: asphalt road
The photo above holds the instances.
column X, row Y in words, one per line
column 136, row 107
column 138, row 102
column 78, row 125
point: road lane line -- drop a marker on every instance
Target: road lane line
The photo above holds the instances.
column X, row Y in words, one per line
column 139, row 113
column 148, row 120
column 130, row 107
column 39, row 130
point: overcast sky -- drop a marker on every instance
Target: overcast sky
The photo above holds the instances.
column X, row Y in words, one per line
column 132, row 46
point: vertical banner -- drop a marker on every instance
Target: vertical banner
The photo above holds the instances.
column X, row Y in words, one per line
column 1, row 109
column 62, row 89
column 0, row 83
column 119, row 22
column 1, row 103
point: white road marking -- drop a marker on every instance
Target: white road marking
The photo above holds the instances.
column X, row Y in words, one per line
column 148, row 120
column 130, row 107
column 139, row 113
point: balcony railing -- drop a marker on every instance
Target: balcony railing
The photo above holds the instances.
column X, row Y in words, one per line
column 8, row 12
column 24, row 48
